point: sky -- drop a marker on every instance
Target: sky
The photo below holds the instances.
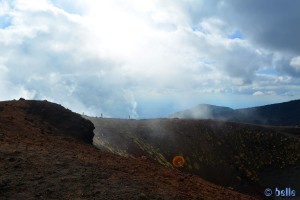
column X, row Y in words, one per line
column 149, row 58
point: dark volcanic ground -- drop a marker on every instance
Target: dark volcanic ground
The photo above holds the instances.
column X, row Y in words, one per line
column 45, row 153
column 245, row 157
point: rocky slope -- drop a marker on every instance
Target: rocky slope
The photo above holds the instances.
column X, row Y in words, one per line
column 45, row 153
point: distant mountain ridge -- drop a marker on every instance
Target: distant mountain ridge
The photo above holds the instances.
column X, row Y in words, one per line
column 279, row 114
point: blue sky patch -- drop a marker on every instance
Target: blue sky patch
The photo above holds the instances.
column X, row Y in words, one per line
column 236, row 35
column 68, row 6
column 5, row 21
column 267, row 72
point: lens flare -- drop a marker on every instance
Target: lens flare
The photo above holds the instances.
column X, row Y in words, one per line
column 178, row 161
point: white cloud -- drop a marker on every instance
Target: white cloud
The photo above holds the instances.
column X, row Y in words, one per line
column 4, row 7
column 108, row 56
column 258, row 93
column 213, row 26
column 295, row 63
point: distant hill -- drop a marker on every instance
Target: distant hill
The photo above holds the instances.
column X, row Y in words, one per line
column 205, row 111
column 279, row 114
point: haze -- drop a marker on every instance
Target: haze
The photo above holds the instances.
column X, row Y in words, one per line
column 149, row 58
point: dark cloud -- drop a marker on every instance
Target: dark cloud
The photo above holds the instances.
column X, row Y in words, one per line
column 271, row 23
column 285, row 66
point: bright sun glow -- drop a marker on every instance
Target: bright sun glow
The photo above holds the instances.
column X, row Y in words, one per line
column 118, row 30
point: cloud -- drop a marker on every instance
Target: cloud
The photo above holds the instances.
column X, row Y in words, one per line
column 295, row 63
column 257, row 93
column 122, row 58
column 269, row 23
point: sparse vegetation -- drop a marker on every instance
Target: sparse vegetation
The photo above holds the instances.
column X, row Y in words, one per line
column 152, row 152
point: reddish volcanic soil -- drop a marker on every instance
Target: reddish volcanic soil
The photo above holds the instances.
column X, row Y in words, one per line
column 46, row 153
